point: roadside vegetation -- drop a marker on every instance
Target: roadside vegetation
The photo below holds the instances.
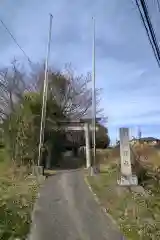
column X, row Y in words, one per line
column 135, row 209
column 17, row 196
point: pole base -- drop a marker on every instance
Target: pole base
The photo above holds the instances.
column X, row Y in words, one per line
column 97, row 167
column 93, row 170
column 37, row 170
column 128, row 180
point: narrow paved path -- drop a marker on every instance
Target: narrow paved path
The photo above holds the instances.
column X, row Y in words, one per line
column 66, row 210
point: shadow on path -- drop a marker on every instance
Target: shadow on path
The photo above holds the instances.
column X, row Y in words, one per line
column 68, row 163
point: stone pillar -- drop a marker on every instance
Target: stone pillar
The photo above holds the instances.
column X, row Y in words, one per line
column 125, row 152
column 126, row 170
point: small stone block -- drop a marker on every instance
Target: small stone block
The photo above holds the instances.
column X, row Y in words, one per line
column 128, row 181
column 37, row 170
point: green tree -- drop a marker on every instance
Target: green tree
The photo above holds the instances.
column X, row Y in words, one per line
column 102, row 137
column 69, row 98
column 25, row 122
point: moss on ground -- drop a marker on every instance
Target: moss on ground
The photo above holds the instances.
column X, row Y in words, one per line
column 138, row 216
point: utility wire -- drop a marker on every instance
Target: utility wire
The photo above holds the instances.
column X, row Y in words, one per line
column 158, row 5
column 149, row 29
column 14, row 39
column 146, row 12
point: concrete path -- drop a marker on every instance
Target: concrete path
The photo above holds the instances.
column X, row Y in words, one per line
column 66, row 210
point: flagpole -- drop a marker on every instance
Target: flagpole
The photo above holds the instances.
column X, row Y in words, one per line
column 45, row 91
column 93, row 98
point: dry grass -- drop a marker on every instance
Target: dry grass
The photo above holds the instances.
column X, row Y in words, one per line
column 148, row 158
column 138, row 216
column 148, row 155
column 107, row 155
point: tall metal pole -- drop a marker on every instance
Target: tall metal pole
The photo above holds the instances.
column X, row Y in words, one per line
column 93, row 98
column 45, row 91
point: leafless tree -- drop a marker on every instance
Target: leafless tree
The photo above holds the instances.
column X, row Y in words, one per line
column 72, row 93
column 12, row 86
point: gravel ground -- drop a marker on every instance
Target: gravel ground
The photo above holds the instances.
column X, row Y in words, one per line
column 66, row 210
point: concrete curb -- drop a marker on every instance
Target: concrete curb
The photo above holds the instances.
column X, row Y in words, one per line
column 104, row 210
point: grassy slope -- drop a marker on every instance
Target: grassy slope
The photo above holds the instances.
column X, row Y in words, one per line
column 137, row 216
column 17, row 196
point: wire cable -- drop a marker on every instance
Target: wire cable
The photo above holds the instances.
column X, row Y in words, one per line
column 150, row 33
column 146, row 12
column 158, row 5
column 14, row 39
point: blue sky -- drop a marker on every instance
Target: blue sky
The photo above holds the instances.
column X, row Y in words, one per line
column 125, row 65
